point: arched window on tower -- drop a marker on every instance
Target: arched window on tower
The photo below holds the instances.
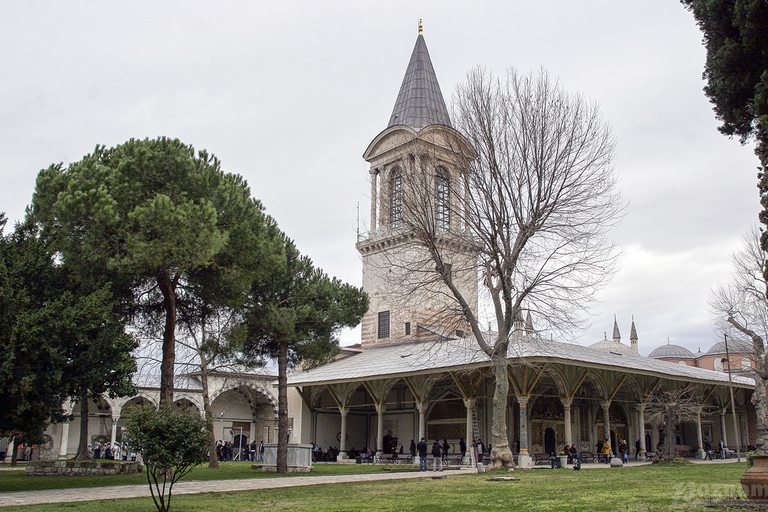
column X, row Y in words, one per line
column 442, row 200
column 396, row 200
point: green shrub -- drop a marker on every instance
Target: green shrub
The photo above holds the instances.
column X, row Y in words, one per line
column 171, row 442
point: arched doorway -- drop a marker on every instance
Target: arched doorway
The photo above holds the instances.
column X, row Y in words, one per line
column 550, row 441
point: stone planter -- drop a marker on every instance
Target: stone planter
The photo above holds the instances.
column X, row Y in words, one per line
column 755, row 480
column 299, row 458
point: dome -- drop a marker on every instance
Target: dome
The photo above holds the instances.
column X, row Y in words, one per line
column 670, row 351
column 734, row 347
column 615, row 347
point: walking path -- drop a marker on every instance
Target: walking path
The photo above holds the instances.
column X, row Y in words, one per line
column 8, row 499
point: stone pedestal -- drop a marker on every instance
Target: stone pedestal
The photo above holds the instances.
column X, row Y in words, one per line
column 299, row 458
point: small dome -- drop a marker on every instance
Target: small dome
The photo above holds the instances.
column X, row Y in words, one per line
column 615, row 347
column 670, row 351
column 734, row 347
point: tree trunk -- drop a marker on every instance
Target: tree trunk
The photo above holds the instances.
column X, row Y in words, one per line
column 213, row 457
column 668, row 447
column 501, row 455
column 82, row 446
column 282, row 408
column 169, row 337
column 15, row 451
column 760, row 401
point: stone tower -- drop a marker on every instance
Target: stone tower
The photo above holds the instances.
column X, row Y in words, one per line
column 418, row 145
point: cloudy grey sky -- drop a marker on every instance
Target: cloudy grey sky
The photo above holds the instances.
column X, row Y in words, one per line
column 289, row 94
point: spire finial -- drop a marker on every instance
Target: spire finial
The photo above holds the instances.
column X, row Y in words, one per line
column 421, row 27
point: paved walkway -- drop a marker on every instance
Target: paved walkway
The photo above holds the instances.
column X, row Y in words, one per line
column 8, row 499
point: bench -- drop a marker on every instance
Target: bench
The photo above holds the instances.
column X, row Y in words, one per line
column 540, row 458
column 388, row 458
column 587, row 456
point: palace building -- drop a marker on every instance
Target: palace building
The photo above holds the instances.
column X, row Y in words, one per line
column 418, row 374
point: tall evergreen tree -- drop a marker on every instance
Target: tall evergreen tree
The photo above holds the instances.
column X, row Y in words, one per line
column 152, row 216
column 293, row 317
column 31, row 367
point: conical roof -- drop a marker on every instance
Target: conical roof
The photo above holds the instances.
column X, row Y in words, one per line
column 633, row 331
column 616, row 333
column 420, row 102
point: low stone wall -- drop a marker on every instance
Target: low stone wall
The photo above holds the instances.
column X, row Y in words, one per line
column 81, row 468
column 299, row 458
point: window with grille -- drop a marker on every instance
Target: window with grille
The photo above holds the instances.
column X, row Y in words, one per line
column 407, row 328
column 396, row 200
column 383, row 324
column 442, row 200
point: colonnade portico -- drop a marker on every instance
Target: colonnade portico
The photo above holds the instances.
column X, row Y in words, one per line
column 107, row 415
column 553, row 401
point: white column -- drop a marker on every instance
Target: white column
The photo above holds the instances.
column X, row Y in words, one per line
column 523, row 458
column 64, row 447
column 699, row 439
column 641, row 430
column 113, row 439
column 422, row 408
column 470, row 405
column 746, row 427
column 568, row 427
column 380, row 409
column 723, row 430
column 606, row 405
column 343, row 441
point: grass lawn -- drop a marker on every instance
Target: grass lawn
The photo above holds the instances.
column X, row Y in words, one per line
column 646, row 488
column 18, row 481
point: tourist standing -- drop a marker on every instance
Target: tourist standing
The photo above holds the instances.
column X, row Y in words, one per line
column 437, row 459
column 422, row 449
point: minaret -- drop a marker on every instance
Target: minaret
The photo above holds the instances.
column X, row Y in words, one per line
column 633, row 336
column 417, row 147
column 616, row 333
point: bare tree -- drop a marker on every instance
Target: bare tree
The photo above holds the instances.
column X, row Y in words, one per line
column 741, row 310
column 669, row 408
column 524, row 211
column 204, row 339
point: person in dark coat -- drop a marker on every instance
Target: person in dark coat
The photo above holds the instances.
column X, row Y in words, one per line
column 422, row 449
column 437, row 456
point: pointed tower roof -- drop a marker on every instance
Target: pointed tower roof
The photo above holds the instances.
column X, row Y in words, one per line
column 633, row 331
column 420, row 102
column 616, row 333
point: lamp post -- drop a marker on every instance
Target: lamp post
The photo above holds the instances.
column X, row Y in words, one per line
column 733, row 403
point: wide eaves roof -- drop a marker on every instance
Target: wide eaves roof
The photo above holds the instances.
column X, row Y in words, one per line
column 442, row 356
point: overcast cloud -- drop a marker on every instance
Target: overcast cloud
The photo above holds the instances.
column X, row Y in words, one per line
column 289, row 94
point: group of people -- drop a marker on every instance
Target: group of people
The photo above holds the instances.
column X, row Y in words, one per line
column 439, row 452
column 227, row 451
column 720, row 448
